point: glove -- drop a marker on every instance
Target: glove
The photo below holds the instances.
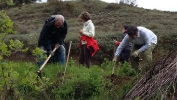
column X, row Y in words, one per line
column 51, row 52
column 57, row 45
column 116, row 42
column 115, row 58
column 136, row 53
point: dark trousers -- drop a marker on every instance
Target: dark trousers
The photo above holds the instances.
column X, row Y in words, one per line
column 85, row 56
column 125, row 55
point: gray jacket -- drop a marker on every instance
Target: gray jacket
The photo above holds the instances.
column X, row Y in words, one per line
column 129, row 45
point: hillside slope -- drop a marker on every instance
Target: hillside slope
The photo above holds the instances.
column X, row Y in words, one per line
column 108, row 20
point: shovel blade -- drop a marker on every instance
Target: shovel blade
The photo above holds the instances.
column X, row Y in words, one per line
column 39, row 74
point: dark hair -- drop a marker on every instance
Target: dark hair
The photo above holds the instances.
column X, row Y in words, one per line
column 125, row 27
column 132, row 30
column 85, row 16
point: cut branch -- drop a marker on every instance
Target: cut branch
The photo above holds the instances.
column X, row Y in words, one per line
column 158, row 79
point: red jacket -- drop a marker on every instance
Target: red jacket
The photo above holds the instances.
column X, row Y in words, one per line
column 92, row 44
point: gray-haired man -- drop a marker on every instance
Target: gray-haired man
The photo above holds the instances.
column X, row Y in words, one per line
column 53, row 35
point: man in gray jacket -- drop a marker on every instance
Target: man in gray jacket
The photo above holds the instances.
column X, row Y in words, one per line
column 144, row 41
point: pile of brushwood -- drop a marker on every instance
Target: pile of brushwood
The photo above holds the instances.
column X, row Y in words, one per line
column 160, row 79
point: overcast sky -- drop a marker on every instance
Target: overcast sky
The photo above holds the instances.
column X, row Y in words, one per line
column 165, row 5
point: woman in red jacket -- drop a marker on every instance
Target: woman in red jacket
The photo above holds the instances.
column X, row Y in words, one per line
column 88, row 45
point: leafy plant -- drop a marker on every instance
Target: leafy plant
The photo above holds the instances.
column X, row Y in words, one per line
column 126, row 70
column 39, row 54
column 8, row 75
column 81, row 83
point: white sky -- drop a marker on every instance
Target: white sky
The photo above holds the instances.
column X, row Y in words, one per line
column 165, row 5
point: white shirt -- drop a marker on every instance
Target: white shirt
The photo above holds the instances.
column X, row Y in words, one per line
column 88, row 30
column 145, row 37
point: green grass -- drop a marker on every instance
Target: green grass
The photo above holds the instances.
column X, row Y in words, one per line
column 79, row 82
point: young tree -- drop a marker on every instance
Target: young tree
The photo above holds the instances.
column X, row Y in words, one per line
column 7, row 28
column 7, row 75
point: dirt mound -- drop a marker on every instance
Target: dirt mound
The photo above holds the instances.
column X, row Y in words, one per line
column 118, row 80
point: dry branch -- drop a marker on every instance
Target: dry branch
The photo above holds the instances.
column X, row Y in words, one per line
column 158, row 79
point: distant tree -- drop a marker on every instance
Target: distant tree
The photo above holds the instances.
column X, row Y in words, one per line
column 19, row 2
column 128, row 2
column 5, row 3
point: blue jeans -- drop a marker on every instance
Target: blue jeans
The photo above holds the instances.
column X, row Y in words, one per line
column 125, row 55
column 59, row 56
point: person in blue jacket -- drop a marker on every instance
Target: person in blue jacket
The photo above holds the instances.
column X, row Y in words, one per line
column 125, row 53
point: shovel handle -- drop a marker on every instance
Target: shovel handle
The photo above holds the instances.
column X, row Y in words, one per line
column 46, row 60
column 113, row 69
column 67, row 60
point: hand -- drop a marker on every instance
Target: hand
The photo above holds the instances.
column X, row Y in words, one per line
column 114, row 41
column 57, row 46
column 81, row 32
column 136, row 53
column 115, row 58
column 51, row 53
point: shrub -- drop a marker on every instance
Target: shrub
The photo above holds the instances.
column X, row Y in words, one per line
column 82, row 84
column 126, row 70
column 113, row 7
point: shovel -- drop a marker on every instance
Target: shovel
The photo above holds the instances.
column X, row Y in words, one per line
column 39, row 71
column 113, row 69
column 67, row 61
column 112, row 75
column 114, row 50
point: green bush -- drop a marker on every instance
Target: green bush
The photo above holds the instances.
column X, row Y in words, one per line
column 113, row 7
column 81, row 83
column 126, row 70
